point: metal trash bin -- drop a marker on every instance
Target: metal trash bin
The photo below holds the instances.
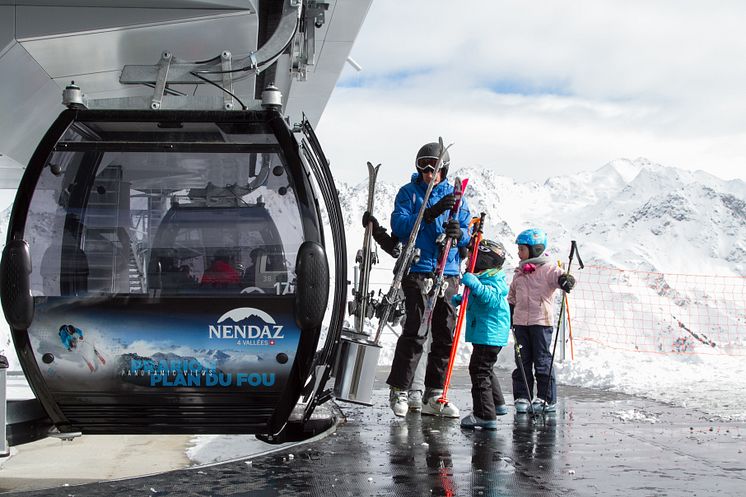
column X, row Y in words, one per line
column 356, row 368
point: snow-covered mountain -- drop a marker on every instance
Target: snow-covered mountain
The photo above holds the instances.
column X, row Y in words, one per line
column 633, row 215
column 627, row 214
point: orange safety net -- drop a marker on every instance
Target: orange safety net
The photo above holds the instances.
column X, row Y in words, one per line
column 659, row 312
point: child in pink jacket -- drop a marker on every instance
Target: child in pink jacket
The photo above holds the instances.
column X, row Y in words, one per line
column 530, row 298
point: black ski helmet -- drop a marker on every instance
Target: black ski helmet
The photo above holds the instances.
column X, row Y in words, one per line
column 490, row 255
column 432, row 151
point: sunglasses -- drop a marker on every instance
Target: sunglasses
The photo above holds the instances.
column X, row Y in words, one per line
column 427, row 164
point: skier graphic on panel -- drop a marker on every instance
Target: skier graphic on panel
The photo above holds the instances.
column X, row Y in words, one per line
column 72, row 339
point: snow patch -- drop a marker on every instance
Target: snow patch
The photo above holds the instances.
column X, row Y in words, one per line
column 636, row 415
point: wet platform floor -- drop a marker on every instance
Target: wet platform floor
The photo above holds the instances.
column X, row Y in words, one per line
column 598, row 443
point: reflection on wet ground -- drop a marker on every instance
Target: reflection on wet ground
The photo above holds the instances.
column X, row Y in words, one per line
column 596, row 444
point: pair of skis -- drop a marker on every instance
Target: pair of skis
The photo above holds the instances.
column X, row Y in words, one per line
column 98, row 355
column 361, row 306
column 390, row 299
column 439, row 283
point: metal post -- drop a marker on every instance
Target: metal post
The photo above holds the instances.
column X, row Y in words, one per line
column 4, row 450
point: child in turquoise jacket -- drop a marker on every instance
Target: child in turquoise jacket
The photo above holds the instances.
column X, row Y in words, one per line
column 487, row 328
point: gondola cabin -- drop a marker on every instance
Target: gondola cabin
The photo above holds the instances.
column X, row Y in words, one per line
column 166, row 272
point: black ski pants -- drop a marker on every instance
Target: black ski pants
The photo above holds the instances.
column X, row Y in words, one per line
column 536, row 353
column 409, row 346
column 485, row 389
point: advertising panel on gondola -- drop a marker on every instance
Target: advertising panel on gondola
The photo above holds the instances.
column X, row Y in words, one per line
column 96, row 347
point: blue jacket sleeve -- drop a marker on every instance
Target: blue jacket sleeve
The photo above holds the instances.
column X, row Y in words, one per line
column 490, row 294
column 471, row 280
column 404, row 215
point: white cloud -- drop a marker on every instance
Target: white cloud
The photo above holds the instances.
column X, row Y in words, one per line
column 546, row 88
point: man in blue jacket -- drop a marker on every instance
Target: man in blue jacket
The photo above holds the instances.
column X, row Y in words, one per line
column 434, row 225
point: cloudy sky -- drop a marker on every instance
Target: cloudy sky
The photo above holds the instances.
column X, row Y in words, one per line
column 537, row 89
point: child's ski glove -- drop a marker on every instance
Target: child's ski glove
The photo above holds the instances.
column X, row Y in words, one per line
column 566, row 282
column 444, row 204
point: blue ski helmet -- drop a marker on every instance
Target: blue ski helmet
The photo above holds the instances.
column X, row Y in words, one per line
column 535, row 239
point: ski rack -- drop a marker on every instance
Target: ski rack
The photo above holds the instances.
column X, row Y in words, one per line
column 365, row 260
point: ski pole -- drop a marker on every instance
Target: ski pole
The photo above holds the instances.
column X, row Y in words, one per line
column 523, row 370
column 475, row 239
column 573, row 251
column 569, row 326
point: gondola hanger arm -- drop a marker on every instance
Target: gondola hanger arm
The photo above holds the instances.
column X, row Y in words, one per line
column 171, row 70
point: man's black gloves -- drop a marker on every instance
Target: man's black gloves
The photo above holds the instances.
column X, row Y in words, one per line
column 444, row 204
column 566, row 282
column 453, row 229
column 389, row 243
column 370, row 218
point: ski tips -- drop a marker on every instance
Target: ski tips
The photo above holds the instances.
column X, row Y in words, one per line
column 460, row 184
column 442, row 147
